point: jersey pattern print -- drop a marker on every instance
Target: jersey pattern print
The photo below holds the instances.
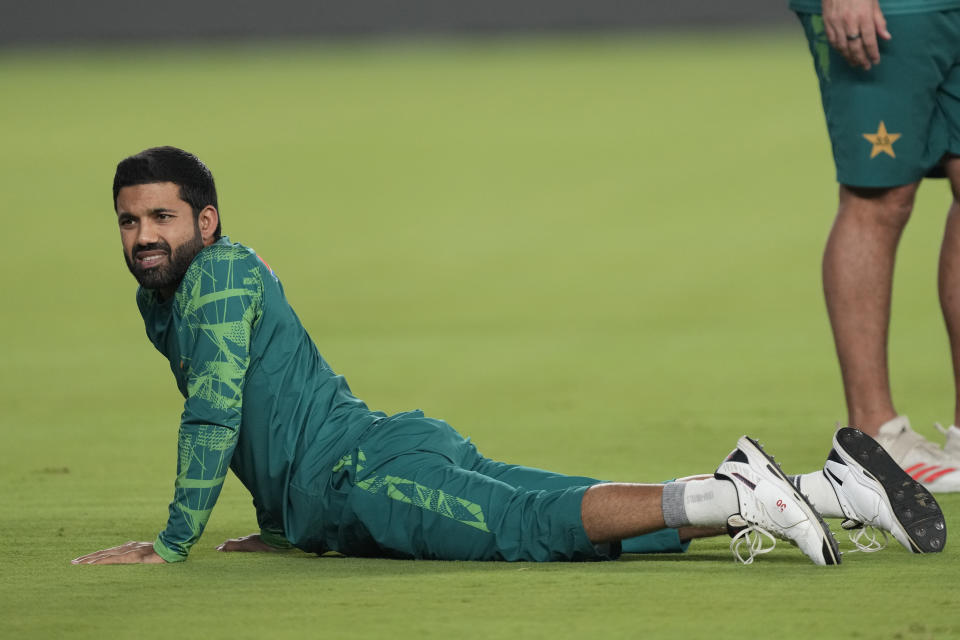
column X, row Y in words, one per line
column 214, row 312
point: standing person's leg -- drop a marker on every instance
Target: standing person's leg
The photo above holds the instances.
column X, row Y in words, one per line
column 949, row 272
column 949, row 287
column 879, row 123
column 857, row 282
column 890, row 126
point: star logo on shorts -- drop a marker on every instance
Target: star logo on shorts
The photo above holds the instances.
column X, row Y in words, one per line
column 882, row 141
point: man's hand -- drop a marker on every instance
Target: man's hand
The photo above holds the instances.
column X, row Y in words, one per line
column 852, row 29
column 251, row 542
column 129, row 553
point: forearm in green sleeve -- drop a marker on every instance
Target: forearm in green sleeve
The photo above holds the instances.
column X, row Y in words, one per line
column 218, row 310
column 205, row 452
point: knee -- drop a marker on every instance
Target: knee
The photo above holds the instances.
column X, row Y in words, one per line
column 887, row 207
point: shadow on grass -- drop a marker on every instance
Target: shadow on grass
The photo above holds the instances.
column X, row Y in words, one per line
column 332, row 566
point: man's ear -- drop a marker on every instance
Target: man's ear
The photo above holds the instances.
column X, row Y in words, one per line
column 208, row 220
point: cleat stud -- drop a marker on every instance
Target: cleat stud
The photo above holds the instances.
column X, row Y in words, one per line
column 899, row 496
column 939, row 526
column 920, row 531
column 935, row 544
column 907, row 514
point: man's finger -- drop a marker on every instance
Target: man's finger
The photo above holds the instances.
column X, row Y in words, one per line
column 858, row 56
column 836, row 39
column 870, row 47
column 868, row 39
column 853, row 34
column 93, row 558
column 105, row 559
column 84, row 558
column 851, row 46
column 880, row 24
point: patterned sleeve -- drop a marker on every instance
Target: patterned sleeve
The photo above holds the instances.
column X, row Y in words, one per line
column 218, row 305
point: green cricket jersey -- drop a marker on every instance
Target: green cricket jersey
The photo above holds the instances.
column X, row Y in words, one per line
column 260, row 399
column 889, row 7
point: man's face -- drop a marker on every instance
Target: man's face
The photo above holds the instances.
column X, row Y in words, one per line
column 160, row 234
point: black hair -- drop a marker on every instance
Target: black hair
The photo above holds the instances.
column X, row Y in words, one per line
column 170, row 164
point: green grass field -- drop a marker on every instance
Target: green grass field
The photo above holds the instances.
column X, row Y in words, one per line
column 597, row 255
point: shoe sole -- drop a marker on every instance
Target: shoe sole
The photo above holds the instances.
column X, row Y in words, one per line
column 911, row 503
column 830, row 550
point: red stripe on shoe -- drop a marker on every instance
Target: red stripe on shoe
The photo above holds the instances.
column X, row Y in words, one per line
column 939, row 474
column 917, row 471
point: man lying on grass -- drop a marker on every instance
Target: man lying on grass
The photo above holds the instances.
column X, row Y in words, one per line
column 328, row 473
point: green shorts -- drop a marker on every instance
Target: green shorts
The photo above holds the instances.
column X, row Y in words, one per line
column 892, row 125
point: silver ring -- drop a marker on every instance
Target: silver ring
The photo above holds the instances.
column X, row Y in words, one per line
column 851, row 38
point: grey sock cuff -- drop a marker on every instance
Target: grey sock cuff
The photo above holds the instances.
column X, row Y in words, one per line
column 674, row 513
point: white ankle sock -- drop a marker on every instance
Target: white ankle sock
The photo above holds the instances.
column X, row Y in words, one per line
column 699, row 503
column 820, row 493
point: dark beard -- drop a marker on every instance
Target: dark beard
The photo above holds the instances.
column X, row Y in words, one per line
column 165, row 278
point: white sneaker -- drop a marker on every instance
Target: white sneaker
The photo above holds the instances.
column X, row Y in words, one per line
column 770, row 504
column 923, row 460
column 874, row 491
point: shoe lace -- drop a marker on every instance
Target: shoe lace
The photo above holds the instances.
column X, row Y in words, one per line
column 952, row 445
column 867, row 540
column 750, row 541
column 909, row 440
